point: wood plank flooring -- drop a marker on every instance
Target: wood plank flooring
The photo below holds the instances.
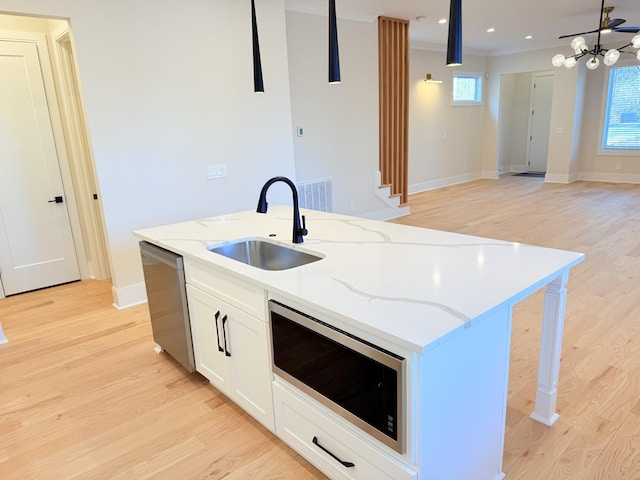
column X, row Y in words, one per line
column 84, row 396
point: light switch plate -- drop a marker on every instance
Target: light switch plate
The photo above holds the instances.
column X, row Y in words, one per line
column 216, row 171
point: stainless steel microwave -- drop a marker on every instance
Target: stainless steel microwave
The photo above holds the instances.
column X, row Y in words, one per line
column 356, row 379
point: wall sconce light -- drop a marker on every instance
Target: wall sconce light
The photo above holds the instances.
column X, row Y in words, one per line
column 258, row 85
column 334, row 58
column 430, row 79
column 454, row 44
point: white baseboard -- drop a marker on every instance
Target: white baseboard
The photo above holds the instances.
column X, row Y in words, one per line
column 610, row 177
column 447, row 181
column 126, row 297
column 386, row 213
column 392, row 207
column 556, row 178
column 3, row 339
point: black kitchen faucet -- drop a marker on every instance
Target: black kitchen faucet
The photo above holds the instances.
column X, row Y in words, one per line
column 298, row 230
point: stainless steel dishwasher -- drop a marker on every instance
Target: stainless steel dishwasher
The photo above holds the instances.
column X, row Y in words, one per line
column 167, row 296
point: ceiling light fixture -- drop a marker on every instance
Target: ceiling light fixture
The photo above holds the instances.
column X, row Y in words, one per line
column 610, row 56
column 334, row 57
column 258, row 84
column 491, row 30
column 528, row 37
column 430, row 79
column 454, row 43
column 442, row 21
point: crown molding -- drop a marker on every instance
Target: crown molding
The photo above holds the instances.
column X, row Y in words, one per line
column 319, row 7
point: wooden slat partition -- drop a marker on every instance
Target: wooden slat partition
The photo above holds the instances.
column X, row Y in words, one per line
column 393, row 74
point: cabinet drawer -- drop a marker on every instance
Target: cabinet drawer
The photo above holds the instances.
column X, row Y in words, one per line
column 242, row 295
column 298, row 424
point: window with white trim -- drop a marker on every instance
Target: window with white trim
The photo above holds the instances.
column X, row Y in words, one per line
column 467, row 89
column 621, row 131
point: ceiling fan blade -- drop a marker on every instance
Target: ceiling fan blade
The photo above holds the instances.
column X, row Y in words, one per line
column 627, row 29
column 576, row 34
column 615, row 22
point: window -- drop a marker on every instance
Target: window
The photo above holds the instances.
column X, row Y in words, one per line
column 621, row 130
column 467, row 89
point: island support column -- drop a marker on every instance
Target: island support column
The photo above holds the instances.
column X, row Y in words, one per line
column 555, row 298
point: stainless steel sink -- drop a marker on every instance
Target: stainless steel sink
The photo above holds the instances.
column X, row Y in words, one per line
column 263, row 254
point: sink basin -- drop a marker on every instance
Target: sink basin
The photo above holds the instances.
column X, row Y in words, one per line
column 263, row 254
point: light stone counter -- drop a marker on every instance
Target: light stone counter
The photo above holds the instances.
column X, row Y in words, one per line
column 411, row 286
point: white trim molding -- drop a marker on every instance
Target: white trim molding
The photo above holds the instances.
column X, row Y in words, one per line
column 448, row 181
column 130, row 296
column 319, row 7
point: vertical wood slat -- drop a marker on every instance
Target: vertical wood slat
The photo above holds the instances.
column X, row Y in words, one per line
column 393, row 69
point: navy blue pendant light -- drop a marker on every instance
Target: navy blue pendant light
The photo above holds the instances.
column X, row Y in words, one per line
column 258, row 84
column 454, row 44
column 334, row 58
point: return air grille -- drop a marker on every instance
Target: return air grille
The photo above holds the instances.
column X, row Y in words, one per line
column 316, row 195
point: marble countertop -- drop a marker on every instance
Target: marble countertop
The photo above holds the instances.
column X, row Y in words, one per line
column 412, row 286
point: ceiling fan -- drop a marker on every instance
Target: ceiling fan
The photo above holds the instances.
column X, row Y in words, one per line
column 607, row 24
column 611, row 56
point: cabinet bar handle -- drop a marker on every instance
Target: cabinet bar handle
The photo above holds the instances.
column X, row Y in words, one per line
column 224, row 334
column 344, row 464
column 217, row 330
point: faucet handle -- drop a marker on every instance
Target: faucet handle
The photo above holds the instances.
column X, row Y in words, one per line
column 303, row 230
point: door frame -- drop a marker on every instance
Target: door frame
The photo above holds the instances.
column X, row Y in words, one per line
column 532, row 94
column 79, row 152
column 96, row 233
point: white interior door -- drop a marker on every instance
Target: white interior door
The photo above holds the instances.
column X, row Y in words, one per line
column 540, row 122
column 36, row 244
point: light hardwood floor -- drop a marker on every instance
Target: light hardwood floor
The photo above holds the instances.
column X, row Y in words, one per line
column 83, row 395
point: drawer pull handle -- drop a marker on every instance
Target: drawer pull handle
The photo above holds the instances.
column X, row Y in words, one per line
column 218, row 331
column 227, row 352
column 344, row 464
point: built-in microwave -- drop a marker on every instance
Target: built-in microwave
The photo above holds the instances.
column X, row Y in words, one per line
column 356, row 379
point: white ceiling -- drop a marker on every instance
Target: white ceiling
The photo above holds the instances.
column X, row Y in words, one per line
column 545, row 20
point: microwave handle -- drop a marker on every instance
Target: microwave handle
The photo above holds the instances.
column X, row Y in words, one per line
column 344, row 464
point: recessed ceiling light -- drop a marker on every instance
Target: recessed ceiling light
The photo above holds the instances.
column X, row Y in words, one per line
column 491, row 30
column 442, row 21
column 529, row 37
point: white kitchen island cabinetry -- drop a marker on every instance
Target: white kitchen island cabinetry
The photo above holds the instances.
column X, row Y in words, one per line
column 442, row 299
column 300, row 421
column 231, row 347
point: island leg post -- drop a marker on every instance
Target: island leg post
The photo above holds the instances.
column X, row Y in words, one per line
column 555, row 298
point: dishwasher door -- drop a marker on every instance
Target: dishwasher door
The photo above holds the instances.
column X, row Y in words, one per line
column 167, row 296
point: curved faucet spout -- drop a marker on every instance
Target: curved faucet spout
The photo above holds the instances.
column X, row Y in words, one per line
column 299, row 230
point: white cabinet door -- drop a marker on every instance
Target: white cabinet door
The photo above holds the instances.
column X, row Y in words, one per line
column 206, row 318
column 232, row 351
column 251, row 365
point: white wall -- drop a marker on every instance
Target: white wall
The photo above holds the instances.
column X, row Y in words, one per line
column 578, row 105
column 594, row 165
column 168, row 89
column 445, row 141
column 340, row 121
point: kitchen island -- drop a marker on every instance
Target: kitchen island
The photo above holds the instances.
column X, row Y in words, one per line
column 441, row 300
